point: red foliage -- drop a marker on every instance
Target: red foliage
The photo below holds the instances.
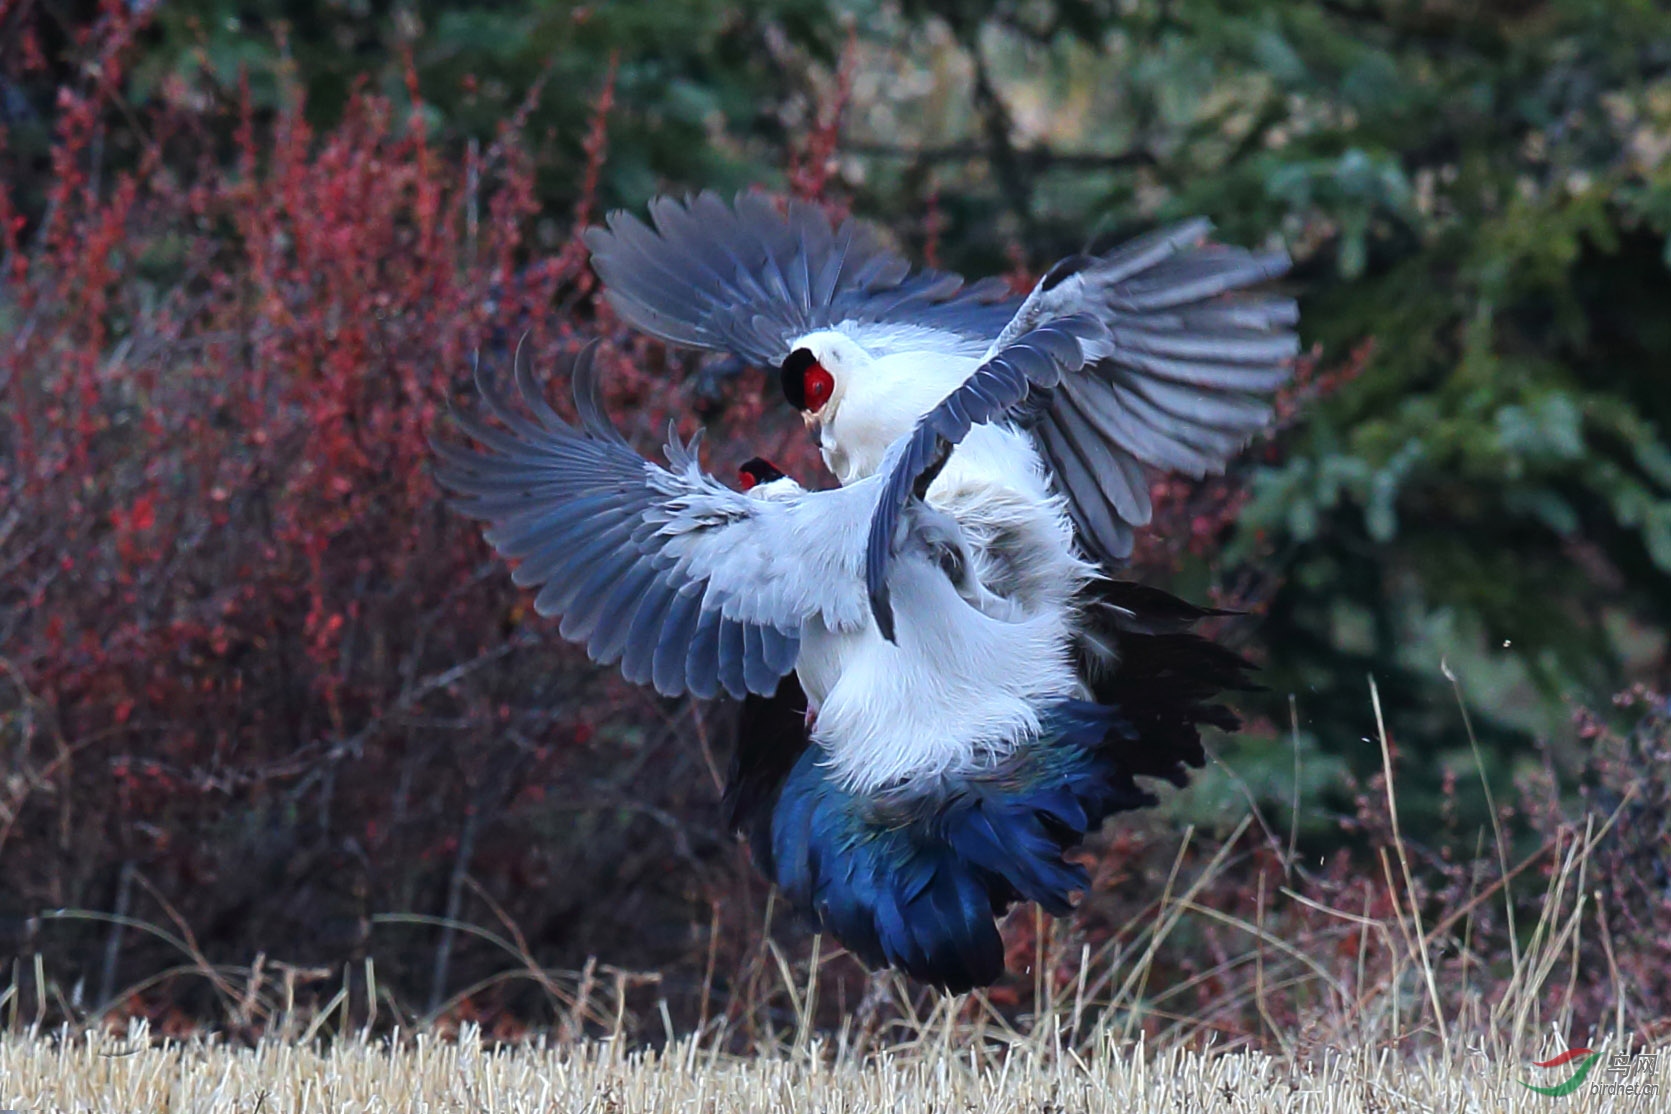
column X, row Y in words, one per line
column 249, row 654
column 813, row 163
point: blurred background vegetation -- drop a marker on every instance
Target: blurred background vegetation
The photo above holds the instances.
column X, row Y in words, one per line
column 1477, row 195
column 1482, row 189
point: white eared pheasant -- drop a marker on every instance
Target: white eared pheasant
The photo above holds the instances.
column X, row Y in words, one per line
column 1178, row 379
column 865, row 348
column 948, row 769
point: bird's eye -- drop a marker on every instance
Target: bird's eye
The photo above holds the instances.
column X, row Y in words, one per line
column 816, row 385
column 746, row 479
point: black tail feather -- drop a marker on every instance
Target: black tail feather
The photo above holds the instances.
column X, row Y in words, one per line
column 920, row 893
column 771, row 734
column 1164, row 676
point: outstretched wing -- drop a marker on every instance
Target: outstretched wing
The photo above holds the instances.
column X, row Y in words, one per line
column 1035, row 361
column 1187, row 381
column 1184, row 383
column 749, row 280
column 691, row 586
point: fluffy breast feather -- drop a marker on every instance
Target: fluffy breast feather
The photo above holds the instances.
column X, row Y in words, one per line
column 959, row 691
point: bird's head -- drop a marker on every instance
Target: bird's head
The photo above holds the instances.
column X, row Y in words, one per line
column 765, row 480
column 816, row 376
column 757, row 470
column 857, row 400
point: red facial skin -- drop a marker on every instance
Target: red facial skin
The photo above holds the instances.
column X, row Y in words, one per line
column 757, row 471
column 818, row 385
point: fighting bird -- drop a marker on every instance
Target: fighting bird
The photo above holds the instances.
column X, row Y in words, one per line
column 1178, row 379
column 864, row 348
column 947, row 771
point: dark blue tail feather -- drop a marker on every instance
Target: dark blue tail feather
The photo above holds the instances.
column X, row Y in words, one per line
column 900, row 877
column 916, row 880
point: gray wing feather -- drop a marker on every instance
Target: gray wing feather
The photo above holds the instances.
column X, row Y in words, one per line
column 702, row 659
column 748, row 279
column 611, row 623
column 644, row 636
column 573, row 591
column 757, row 669
column 1088, row 498
column 673, row 644
column 1100, row 405
column 1035, row 361
column 1104, row 467
column 690, row 586
column 731, row 672
column 1184, row 385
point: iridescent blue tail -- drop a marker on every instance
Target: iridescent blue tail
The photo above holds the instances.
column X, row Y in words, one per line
column 916, row 880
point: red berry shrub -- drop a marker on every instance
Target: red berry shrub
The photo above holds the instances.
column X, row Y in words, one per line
column 255, row 677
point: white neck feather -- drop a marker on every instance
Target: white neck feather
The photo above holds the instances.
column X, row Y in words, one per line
column 957, row 693
column 880, row 402
column 964, row 686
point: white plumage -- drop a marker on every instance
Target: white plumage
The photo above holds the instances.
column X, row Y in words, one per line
column 980, row 696
column 1177, row 377
column 639, row 561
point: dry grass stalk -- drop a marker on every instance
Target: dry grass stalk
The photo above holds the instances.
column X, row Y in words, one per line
column 131, row 1074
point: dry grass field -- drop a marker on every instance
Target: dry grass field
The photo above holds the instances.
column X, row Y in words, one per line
column 130, row 1074
column 1398, row 1009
